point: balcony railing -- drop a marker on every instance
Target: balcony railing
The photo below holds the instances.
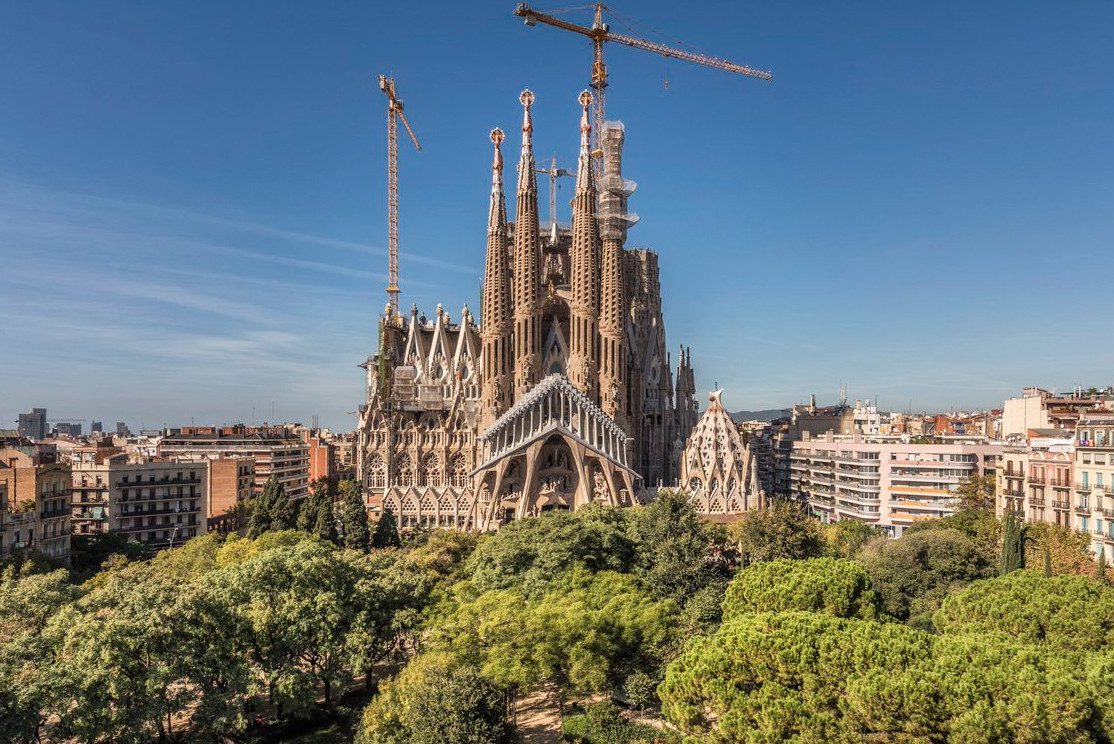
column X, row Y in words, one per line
column 1083, row 508
column 1037, row 500
column 1059, row 504
column 138, row 512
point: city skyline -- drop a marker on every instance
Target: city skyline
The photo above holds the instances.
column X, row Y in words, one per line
column 205, row 234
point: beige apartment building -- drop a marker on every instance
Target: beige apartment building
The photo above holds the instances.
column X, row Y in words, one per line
column 274, row 451
column 37, row 513
column 884, row 481
column 158, row 504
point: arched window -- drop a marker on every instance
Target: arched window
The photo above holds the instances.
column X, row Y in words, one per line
column 458, row 470
column 430, row 473
column 377, row 471
column 404, row 470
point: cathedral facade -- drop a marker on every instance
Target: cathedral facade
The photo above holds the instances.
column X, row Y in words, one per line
column 562, row 393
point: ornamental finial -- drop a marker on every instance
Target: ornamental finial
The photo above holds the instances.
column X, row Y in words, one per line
column 585, row 99
column 497, row 137
column 527, row 100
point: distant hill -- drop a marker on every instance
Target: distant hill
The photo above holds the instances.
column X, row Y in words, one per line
column 768, row 415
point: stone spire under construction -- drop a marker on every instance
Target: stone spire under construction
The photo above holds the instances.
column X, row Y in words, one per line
column 585, row 261
column 527, row 313
column 613, row 224
column 495, row 397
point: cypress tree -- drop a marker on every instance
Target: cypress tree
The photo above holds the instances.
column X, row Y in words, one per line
column 1013, row 545
column 353, row 517
column 261, row 509
column 283, row 516
column 311, row 507
column 1100, row 572
column 1047, row 559
column 386, row 531
column 326, row 525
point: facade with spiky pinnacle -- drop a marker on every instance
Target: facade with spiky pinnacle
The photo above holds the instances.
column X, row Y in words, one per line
column 718, row 469
column 563, row 395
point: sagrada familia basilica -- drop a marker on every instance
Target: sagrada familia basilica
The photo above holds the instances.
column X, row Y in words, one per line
column 563, row 393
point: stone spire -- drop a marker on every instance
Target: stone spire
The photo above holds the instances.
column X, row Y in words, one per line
column 613, row 223
column 495, row 396
column 585, row 261
column 527, row 313
column 686, row 395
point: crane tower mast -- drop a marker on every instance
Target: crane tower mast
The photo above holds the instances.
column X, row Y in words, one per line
column 394, row 115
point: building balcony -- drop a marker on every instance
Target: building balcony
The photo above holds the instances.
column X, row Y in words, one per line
column 1106, row 512
column 144, row 512
column 184, row 481
column 1082, row 509
column 1060, row 505
column 1036, row 500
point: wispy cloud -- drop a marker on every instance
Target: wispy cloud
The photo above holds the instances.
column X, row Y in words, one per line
column 134, row 303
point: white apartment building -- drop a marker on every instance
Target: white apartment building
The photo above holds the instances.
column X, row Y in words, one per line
column 884, row 481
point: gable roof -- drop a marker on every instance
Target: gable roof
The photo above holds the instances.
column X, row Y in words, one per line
column 590, row 426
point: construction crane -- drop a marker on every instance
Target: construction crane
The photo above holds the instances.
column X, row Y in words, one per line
column 554, row 173
column 394, row 115
column 600, row 32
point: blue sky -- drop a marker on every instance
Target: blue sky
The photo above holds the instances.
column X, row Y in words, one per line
column 193, row 208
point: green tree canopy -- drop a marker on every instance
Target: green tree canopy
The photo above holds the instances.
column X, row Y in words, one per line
column 833, row 586
column 262, row 507
column 28, row 689
column 386, row 531
column 435, row 700
column 1070, row 613
column 674, row 547
column 808, row 677
column 531, row 553
column 847, row 537
column 784, row 530
column 353, row 518
column 914, row 573
column 590, row 631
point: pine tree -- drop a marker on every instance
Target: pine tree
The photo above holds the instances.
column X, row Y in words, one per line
column 353, row 517
column 283, row 516
column 386, row 531
column 261, row 509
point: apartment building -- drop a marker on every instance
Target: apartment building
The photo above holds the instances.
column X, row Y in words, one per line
column 37, row 500
column 1064, row 479
column 1094, row 479
column 884, row 481
column 231, row 481
column 1038, row 408
column 274, row 450
column 156, row 503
